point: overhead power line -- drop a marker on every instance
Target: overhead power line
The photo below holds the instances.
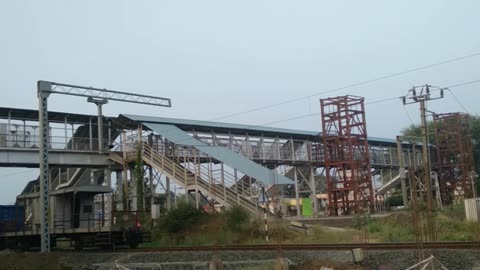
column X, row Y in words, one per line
column 458, row 101
column 462, row 84
column 351, row 85
column 369, row 103
column 318, row 113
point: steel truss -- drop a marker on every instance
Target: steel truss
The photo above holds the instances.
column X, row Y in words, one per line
column 454, row 156
column 347, row 161
column 46, row 88
column 97, row 93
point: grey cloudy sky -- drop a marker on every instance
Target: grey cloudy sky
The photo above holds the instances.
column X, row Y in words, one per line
column 214, row 58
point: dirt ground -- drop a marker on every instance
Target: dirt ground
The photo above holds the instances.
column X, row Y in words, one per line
column 27, row 261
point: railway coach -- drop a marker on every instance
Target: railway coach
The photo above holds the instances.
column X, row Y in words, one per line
column 78, row 218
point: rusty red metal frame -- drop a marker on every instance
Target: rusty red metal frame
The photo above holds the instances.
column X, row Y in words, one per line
column 347, row 162
column 454, row 156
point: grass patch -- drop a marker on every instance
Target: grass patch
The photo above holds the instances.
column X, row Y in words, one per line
column 237, row 227
column 450, row 225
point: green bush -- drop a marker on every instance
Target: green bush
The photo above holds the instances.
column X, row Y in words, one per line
column 455, row 211
column 395, row 200
column 183, row 217
column 374, row 227
column 398, row 234
column 361, row 220
column 237, row 218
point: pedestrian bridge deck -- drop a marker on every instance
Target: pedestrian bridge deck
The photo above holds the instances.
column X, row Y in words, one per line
column 30, row 158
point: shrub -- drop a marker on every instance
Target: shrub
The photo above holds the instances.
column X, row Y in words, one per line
column 374, row 227
column 360, row 221
column 395, row 200
column 183, row 217
column 236, row 218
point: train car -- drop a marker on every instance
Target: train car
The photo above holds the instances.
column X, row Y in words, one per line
column 79, row 217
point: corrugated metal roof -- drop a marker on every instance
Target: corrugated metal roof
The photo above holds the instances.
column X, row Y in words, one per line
column 220, row 153
column 208, row 125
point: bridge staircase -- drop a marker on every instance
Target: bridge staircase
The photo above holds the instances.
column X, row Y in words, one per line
column 283, row 152
column 197, row 178
column 390, row 180
column 60, row 179
column 205, row 204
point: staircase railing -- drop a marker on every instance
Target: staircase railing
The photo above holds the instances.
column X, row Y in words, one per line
column 186, row 177
column 389, row 181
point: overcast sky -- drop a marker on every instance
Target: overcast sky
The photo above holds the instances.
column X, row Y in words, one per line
column 215, row 58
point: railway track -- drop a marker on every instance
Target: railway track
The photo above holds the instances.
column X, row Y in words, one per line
column 369, row 246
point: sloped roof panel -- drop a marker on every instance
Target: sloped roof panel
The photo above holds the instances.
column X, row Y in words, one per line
column 220, row 153
column 197, row 124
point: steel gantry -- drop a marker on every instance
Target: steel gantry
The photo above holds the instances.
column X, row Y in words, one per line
column 347, row 157
column 454, row 156
column 45, row 88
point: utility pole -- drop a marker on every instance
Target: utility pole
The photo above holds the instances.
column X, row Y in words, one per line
column 422, row 94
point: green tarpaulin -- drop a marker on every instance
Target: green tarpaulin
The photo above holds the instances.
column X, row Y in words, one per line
column 307, row 208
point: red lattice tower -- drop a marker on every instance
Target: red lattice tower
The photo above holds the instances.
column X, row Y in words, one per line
column 347, row 162
column 454, row 156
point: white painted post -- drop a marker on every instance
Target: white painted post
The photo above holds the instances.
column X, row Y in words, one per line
column 297, row 197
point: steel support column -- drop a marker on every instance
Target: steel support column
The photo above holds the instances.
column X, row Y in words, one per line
column 454, row 156
column 43, row 94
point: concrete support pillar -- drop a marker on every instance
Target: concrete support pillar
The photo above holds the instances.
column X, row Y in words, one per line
column 403, row 176
column 9, row 139
column 92, row 177
column 169, row 197
column 292, row 149
column 185, row 176
column 197, row 172
column 215, row 264
column 297, row 197
column 119, row 191
column 72, row 139
column 281, row 264
column 152, row 191
column 235, row 174
column 100, row 127
column 223, row 182
column 90, row 133
column 107, row 197
column 314, row 190
column 66, row 132
column 125, row 190
column 109, row 132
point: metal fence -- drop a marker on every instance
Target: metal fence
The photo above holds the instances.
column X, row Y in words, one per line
column 238, row 265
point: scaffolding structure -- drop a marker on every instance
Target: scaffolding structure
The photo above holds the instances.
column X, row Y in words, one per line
column 454, row 156
column 347, row 161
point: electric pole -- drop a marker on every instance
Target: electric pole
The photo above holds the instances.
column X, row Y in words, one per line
column 422, row 94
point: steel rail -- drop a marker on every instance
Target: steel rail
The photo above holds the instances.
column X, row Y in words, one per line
column 349, row 246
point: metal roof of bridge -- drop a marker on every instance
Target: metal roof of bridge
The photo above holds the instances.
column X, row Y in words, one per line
column 184, row 124
column 32, row 115
column 220, row 153
column 241, row 129
column 208, row 126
